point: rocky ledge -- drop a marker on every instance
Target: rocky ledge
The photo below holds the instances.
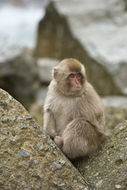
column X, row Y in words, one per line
column 29, row 159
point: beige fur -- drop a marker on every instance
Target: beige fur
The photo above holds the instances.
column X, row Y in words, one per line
column 75, row 121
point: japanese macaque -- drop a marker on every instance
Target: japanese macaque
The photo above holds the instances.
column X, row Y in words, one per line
column 73, row 112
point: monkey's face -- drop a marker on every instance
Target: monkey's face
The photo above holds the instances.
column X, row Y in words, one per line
column 70, row 77
column 71, row 84
column 75, row 81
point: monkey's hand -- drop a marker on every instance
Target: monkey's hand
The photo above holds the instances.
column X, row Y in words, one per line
column 59, row 141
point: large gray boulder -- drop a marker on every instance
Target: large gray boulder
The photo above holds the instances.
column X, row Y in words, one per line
column 19, row 75
column 100, row 26
column 29, row 159
column 93, row 32
column 45, row 67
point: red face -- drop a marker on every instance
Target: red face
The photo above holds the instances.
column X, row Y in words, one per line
column 75, row 81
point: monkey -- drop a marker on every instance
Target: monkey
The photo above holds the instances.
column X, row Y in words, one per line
column 73, row 112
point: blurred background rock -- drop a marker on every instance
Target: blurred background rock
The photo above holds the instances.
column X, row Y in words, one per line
column 36, row 35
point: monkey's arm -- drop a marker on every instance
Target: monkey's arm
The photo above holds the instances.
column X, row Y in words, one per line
column 99, row 123
column 49, row 123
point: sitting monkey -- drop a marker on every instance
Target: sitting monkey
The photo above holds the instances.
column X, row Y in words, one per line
column 73, row 111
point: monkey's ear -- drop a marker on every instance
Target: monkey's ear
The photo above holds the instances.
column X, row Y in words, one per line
column 55, row 72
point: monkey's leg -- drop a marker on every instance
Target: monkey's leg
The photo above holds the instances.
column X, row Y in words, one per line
column 80, row 138
column 49, row 124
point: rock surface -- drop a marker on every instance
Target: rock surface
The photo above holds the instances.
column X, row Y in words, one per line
column 107, row 168
column 45, row 67
column 36, row 111
column 96, row 35
column 102, row 32
column 18, row 74
column 115, row 101
column 114, row 116
column 28, row 158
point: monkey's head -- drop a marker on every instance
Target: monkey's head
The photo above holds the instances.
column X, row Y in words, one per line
column 70, row 77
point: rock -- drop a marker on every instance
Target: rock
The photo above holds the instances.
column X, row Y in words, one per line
column 93, row 32
column 45, row 67
column 42, row 93
column 18, row 75
column 115, row 101
column 107, row 168
column 25, row 164
column 40, row 147
column 115, row 110
column 36, row 111
column 114, row 116
column 56, row 165
column 100, row 27
column 24, row 154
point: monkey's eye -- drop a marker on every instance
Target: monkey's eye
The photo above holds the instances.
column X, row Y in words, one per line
column 78, row 76
column 72, row 75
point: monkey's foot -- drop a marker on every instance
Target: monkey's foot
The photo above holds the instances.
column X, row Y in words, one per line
column 59, row 141
column 52, row 134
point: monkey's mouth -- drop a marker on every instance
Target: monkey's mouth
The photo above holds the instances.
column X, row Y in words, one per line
column 78, row 88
